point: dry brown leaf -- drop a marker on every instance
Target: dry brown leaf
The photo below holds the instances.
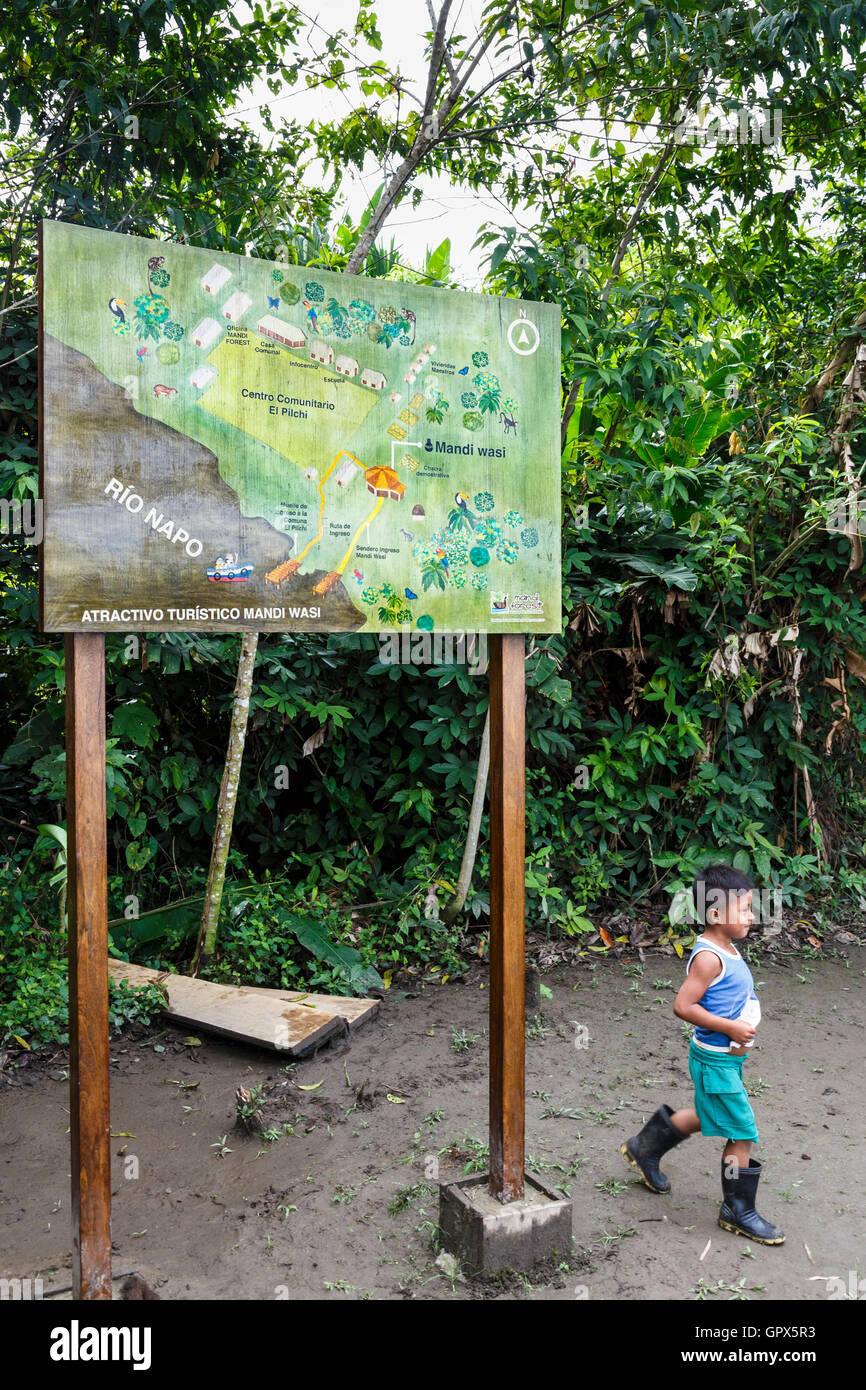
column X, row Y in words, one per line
column 313, row 742
column 755, row 643
column 855, row 663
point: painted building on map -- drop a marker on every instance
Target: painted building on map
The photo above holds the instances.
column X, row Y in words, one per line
column 370, row 377
column 321, row 352
column 346, row 365
column 285, row 333
column 345, row 473
column 236, row 306
column 214, row 280
column 206, row 333
column 203, row 376
column 383, row 482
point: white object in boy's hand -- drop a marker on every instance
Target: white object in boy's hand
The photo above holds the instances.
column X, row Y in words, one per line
column 750, row 1014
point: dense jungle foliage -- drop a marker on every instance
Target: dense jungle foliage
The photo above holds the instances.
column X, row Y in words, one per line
column 705, row 697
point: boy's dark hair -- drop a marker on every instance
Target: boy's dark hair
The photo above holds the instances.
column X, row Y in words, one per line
column 714, row 880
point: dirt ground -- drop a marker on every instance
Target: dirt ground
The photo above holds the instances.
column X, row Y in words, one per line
column 346, row 1205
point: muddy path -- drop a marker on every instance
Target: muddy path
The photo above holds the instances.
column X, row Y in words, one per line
column 344, row 1205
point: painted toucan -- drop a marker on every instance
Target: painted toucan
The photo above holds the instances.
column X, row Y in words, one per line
column 117, row 307
column 461, row 499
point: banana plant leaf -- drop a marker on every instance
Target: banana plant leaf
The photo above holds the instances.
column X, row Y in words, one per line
column 360, row 977
column 183, row 917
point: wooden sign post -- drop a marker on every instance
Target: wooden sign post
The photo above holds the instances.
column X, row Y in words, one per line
column 507, row 915
column 87, row 903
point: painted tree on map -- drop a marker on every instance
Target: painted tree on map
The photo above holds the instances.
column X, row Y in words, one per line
column 434, row 571
column 152, row 309
column 337, row 313
column 394, row 611
column 437, row 410
column 151, row 312
column 391, row 324
column 490, row 390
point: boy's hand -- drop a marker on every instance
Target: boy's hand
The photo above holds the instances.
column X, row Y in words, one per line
column 740, row 1033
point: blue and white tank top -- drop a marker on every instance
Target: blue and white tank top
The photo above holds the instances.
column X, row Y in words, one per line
column 731, row 995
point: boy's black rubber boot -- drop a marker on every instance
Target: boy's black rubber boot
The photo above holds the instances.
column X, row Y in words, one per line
column 738, row 1208
column 644, row 1150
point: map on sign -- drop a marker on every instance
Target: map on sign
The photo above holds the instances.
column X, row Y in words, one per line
column 230, row 442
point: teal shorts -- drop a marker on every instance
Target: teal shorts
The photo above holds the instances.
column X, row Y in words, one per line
column 720, row 1096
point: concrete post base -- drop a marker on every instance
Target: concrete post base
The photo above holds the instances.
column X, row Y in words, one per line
column 486, row 1234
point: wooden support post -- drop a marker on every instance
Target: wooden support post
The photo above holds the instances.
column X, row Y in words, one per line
column 87, row 900
column 507, row 915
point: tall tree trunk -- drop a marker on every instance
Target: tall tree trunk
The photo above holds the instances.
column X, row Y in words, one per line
column 434, row 124
column 456, row 904
column 227, row 801
column 624, row 243
column 433, row 127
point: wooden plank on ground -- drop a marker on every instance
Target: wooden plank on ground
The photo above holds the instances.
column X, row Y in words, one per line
column 354, row 1011
column 235, row 1012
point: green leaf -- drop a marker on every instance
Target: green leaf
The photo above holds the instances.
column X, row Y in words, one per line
column 438, row 261
column 666, row 860
column 135, row 721
column 557, row 689
column 55, row 832
column 313, row 937
column 137, row 855
column 370, row 208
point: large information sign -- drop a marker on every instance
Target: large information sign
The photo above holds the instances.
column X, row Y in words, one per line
column 231, row 443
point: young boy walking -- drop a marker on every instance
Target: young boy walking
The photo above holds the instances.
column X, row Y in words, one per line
column 719, row 998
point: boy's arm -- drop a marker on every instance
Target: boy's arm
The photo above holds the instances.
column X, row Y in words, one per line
column 703, row 970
